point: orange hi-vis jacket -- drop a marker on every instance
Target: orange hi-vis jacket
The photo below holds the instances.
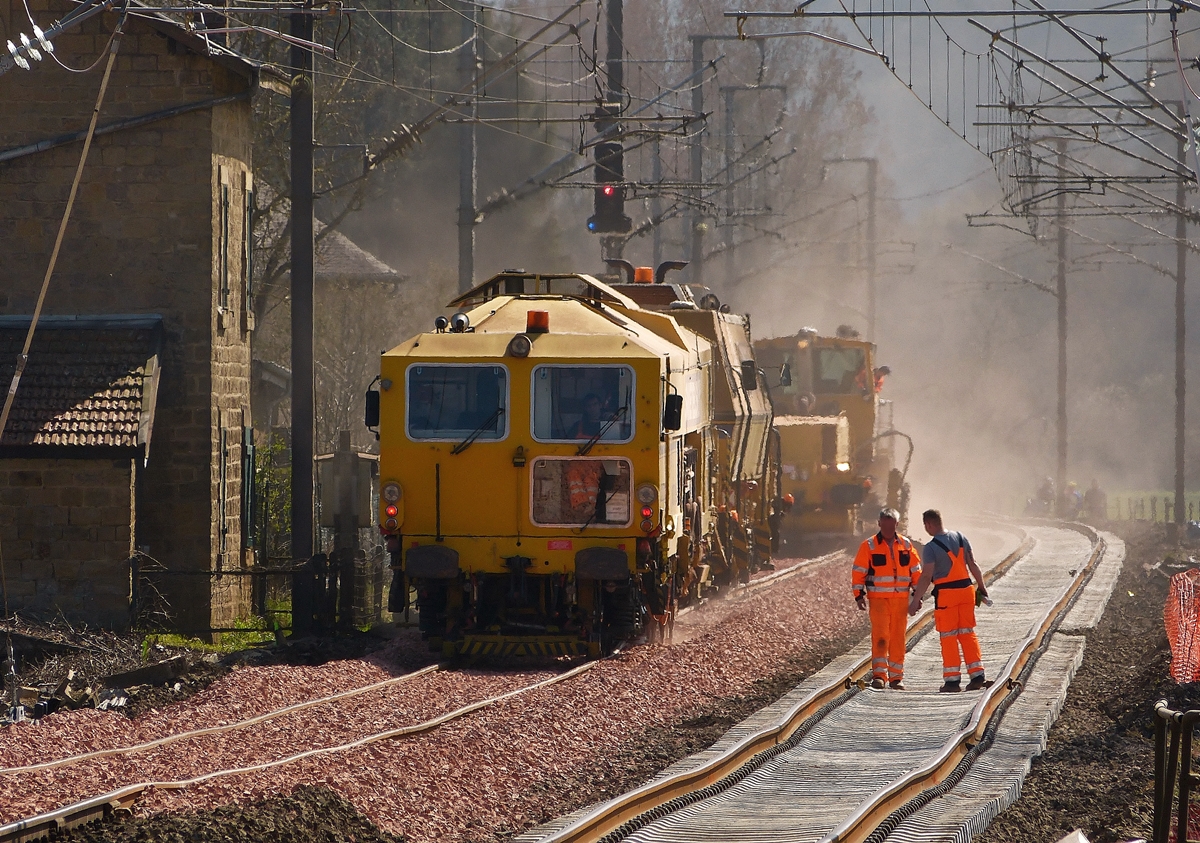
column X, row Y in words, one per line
column 957, row 586
column 885, row 570
column 583, row 482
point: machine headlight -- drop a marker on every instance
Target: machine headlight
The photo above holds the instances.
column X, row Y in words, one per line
column 647, row 493
column 391, row 492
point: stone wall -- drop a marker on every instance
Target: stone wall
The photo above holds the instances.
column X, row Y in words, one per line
column 67, row 545
column 149, row 233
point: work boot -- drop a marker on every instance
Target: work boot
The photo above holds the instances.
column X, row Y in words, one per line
column 979, row 683
column 897, row 685
column 877, row 683
column 950, row 688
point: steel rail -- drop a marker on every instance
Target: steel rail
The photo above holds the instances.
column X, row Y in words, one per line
column 102, row 806
column 215, row 730
column 97, row 807
column 887, row 800
column 611, row 815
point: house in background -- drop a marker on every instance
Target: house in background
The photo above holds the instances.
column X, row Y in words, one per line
column 146, row 319
column 76, row 443
column 362, row 307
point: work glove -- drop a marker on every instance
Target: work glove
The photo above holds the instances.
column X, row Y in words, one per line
column 861, row 600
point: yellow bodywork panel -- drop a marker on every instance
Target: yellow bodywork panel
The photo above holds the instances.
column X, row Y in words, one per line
column 815, row 470
column 828, row 376
column 521, row 488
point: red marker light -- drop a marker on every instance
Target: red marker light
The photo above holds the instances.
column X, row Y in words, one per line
column 391, row 511
column 608, row 190
column 647, row 512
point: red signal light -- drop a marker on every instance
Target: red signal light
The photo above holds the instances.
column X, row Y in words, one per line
column 609, row 190
column 391, row 511
column 647, row 512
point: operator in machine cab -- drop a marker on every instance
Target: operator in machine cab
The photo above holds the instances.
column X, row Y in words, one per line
column 591, row 422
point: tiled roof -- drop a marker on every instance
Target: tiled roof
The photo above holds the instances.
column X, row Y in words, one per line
column 337, row 255
column 91, row 381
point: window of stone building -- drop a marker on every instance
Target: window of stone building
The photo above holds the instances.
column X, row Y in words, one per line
column 223, row 300
column 248, row 238
column 222, row 493
column 249, row 492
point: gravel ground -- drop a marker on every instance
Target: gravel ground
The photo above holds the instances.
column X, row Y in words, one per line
column 1097, row 773
column 528, row 759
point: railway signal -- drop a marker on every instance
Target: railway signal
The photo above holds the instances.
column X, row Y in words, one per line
column 609, row 211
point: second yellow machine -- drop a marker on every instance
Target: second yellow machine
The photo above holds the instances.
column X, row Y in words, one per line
column 561, row 467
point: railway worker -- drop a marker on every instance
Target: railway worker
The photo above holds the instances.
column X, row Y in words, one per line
column 885, row 570
column 948, row 563
column 591, row 422
column 1095, row 502
column 881, row 374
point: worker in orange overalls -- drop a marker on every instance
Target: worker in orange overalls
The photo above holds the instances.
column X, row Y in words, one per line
column 949, row 564
column 885, row 570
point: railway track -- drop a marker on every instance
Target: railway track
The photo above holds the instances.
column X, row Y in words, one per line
column 122, row 798
column 834, row 761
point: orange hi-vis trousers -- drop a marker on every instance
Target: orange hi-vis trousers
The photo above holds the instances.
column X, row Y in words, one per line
column 889, row 618
column 956, row 628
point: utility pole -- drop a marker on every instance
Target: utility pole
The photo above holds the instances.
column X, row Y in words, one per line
column 468, row 157
column 872, row 244
column 612, row 247
column 656, row 200
column 1060, row 479
column 728, row 228
column 1180, row 304
column 694, row 219
column 872, row 241
column 303, row 385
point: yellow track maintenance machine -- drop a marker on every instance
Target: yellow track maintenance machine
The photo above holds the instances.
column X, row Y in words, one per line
column 561, row 466
column 835, row 432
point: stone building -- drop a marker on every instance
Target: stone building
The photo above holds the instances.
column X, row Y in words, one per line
column 159, row 230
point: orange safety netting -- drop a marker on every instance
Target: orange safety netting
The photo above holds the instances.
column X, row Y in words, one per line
column 1181, row 617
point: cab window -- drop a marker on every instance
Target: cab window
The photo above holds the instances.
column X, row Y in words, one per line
column 840, row 371
column 454, row 402
column 580, row 491
column 573, row 403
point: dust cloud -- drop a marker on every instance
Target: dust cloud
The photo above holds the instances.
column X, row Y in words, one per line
column 966, row 314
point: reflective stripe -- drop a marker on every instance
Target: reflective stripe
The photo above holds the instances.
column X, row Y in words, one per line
column 975, row 665
column 860, row 568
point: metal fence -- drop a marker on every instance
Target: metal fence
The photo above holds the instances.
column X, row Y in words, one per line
column 1173, row 776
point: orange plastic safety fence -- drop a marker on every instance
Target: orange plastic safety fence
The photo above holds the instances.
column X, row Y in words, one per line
column 1181, row 617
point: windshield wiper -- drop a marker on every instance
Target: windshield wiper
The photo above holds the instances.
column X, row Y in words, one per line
column 587, row 446
column 475, row 434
